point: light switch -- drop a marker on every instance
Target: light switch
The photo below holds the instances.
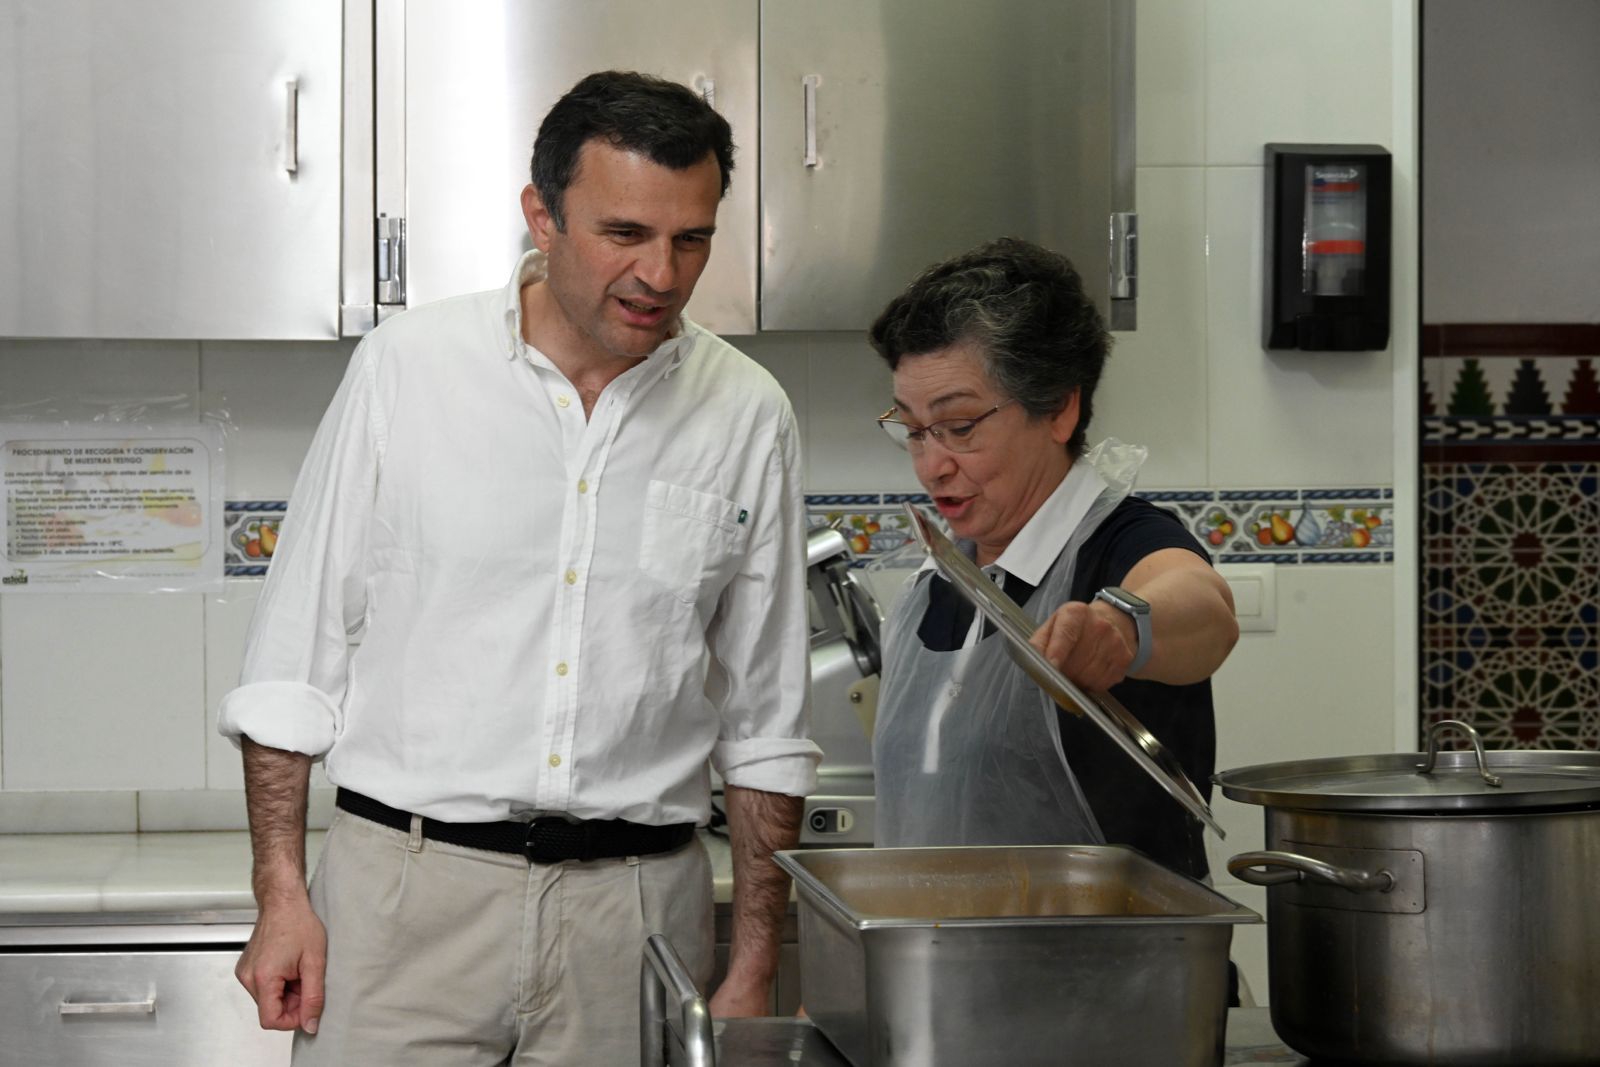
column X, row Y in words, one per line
column 1246, row 596
column 1255, row 594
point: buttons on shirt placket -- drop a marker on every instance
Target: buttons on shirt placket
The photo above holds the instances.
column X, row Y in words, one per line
column 587, row 455
column 566, row 632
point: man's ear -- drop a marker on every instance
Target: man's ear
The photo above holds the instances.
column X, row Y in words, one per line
column 541, row 224
column 1064, row 422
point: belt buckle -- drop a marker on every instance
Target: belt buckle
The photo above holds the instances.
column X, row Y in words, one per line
column 543, row 847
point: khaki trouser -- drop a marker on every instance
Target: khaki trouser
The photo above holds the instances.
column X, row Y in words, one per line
column 440, row 955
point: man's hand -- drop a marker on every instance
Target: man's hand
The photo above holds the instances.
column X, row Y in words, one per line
column 741, row 999
column 1092, row 644
column 285, row 961
column 283, row 966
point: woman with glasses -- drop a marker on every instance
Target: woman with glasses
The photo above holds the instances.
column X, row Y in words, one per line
column 995, row 356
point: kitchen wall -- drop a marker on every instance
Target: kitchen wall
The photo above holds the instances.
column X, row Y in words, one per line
column 107, row 703
column 1510, row 352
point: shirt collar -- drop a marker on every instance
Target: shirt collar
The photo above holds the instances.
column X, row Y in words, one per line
column 1045, row 534
column 531, row 269
column 1041, row 539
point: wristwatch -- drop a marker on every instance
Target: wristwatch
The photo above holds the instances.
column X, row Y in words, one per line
column 1138, row 609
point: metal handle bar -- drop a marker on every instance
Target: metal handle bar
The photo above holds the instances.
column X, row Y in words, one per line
column 1293, row 867
column 146, row 1006
column 663, row 971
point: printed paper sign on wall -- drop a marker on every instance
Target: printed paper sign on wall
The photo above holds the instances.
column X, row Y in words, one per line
column 111, row 508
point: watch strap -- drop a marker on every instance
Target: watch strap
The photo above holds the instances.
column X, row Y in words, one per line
column 1144, row 643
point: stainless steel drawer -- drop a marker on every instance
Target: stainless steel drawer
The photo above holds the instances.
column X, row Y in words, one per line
column 180, row 1008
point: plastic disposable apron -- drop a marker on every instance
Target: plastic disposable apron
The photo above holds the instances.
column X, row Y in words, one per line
column 967, row 748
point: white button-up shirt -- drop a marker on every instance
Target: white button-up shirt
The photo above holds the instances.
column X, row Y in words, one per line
column 483, row 604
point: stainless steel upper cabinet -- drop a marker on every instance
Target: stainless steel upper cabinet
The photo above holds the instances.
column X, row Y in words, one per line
column 895, row 133
column 478, row 79
column 170, row 168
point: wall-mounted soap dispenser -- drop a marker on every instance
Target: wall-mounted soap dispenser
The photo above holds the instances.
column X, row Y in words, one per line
column 1326, row 270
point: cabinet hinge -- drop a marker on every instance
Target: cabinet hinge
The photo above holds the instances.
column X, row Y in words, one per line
column 391, row 260
column 1124, row 255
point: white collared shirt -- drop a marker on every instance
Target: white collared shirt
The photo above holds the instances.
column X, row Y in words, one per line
column 553, row 613
column 1041, row 539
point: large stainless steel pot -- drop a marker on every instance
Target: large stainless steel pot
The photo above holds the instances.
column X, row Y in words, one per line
column 1437, row 911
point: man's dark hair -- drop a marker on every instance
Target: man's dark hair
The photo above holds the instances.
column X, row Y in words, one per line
column 1025, row 310
column 663, row 120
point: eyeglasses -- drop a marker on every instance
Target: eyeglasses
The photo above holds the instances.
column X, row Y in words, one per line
column 957, row 435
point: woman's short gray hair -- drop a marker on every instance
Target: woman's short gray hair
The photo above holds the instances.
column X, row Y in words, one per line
column 1025, row 310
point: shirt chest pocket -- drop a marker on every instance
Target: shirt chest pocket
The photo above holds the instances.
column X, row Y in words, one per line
column 691, row 542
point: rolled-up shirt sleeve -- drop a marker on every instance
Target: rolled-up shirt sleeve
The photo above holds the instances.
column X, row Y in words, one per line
column 760, row 644
column 297, row 654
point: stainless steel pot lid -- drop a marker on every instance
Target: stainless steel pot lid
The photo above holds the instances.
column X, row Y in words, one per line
column 1475, row 782
column 1118, row 723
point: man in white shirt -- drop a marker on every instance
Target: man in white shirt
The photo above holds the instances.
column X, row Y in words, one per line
column 545, row 559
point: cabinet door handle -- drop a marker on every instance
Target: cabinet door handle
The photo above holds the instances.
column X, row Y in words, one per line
column 291, row 126
column 810, row 83
column 110, row 1007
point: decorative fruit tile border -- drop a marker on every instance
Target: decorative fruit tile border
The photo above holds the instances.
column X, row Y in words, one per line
column 874, row 523
column 1289, row 526
column 1236, row 526
column 250, row 529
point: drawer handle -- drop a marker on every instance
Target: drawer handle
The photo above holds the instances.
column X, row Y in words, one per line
column 110, row 1007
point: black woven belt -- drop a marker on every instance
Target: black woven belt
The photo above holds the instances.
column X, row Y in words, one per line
column 548, row 839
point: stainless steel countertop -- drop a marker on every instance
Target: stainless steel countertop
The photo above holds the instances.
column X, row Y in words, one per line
column 785, row 1042
column 105, row 877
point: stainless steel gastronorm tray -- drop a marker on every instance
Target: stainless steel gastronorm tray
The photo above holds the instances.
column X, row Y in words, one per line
column 1011, row 954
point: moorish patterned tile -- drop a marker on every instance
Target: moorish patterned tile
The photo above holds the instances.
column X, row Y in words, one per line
column 1511, row 538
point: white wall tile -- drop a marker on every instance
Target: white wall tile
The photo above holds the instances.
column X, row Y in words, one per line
column 1297, row 71
column 846, row 451
column 226, row 623
column 60, row 812
column 103, row 691
column 185, row 810
column 274, row 394
column 1170, row 91
column 1321, row 684
column 1154, row 389
column 75, row 379
column 1282, row 418
column 166, row 810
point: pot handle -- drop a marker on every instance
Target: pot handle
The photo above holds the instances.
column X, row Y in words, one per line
column 1284, row 867
column 1477, row 746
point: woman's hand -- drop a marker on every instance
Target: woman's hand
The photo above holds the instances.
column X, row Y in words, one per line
column 1092, row 644
column 1191, row 620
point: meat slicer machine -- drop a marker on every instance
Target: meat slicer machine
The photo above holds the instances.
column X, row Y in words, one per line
column 845, row 659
